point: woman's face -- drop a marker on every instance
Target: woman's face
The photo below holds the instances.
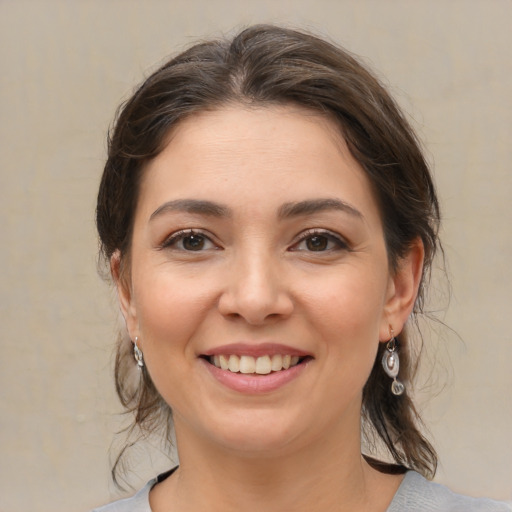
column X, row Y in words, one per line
column 258, row 245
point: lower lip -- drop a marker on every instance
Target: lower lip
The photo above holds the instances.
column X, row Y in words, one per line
column 255, row 384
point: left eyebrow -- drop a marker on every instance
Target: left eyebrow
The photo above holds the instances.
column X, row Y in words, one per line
column 193, row 206
column 317, row 205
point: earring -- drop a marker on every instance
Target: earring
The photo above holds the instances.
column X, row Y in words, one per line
column 391, row 364
column 137, row 353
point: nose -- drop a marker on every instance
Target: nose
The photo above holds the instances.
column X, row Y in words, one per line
column 255, row 290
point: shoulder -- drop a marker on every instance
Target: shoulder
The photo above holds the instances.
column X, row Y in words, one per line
column 418, row 494
column 137, row 503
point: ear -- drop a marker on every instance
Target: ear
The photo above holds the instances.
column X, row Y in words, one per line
column 124, row 294
column 402, row 290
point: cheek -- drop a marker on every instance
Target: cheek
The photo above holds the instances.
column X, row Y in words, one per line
column 170, row 315
column 350, row 302
column 346, row 313
column 169, row 310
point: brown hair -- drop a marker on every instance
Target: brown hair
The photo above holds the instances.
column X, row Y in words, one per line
column 266, row 65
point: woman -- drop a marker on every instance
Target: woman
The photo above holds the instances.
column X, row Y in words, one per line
column 270, row 222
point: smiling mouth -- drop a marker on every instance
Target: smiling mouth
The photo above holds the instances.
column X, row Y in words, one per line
column 262, row 365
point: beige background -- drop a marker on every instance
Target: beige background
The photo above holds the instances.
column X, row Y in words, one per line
column 64, row 68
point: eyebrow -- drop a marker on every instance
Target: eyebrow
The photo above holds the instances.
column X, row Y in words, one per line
column 287, row 210
column 317, row 205
column 192, row 206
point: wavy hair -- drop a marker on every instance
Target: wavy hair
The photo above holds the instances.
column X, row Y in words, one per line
column 263, row 66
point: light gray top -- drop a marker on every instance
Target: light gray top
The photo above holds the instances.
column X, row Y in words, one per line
column 415, row 494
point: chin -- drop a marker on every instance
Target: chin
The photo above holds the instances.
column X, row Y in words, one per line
column 255, row 434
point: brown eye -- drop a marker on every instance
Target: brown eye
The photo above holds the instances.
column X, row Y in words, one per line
column 193, row 242
column 188, row 241
column 320, row 241
column 317, row 243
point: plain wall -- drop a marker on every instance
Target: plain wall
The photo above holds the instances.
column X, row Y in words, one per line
column 66, row 65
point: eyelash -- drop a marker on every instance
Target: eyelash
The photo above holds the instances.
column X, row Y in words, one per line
column 340, row 243
column 179, row 236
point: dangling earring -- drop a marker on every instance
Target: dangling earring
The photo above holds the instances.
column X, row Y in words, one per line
column 137, row 353
column 391, row 364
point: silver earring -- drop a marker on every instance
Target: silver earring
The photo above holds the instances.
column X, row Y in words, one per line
column 137, row 353
column 391, row 365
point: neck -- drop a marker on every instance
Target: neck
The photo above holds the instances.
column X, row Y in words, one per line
column 327, row 475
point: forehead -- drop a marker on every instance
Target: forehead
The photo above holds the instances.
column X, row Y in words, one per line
column 248, row 155
column 270, row 128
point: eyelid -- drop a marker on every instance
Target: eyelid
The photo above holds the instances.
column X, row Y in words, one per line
column 179, row 235
column 339, row 240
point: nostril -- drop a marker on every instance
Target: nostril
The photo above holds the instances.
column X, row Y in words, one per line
column 255, row 294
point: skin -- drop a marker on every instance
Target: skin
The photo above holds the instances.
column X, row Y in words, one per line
column 258, row 278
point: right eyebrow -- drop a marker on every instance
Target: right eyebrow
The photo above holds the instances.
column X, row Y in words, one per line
column 197, row 206
column 311, row 206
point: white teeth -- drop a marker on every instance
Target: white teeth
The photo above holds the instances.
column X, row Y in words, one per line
column 234, row 364
column 247, row 364
column 277, row 362
column 262, row 365
column 224, row 362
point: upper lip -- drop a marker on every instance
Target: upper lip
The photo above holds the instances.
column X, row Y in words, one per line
column 255, row 350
